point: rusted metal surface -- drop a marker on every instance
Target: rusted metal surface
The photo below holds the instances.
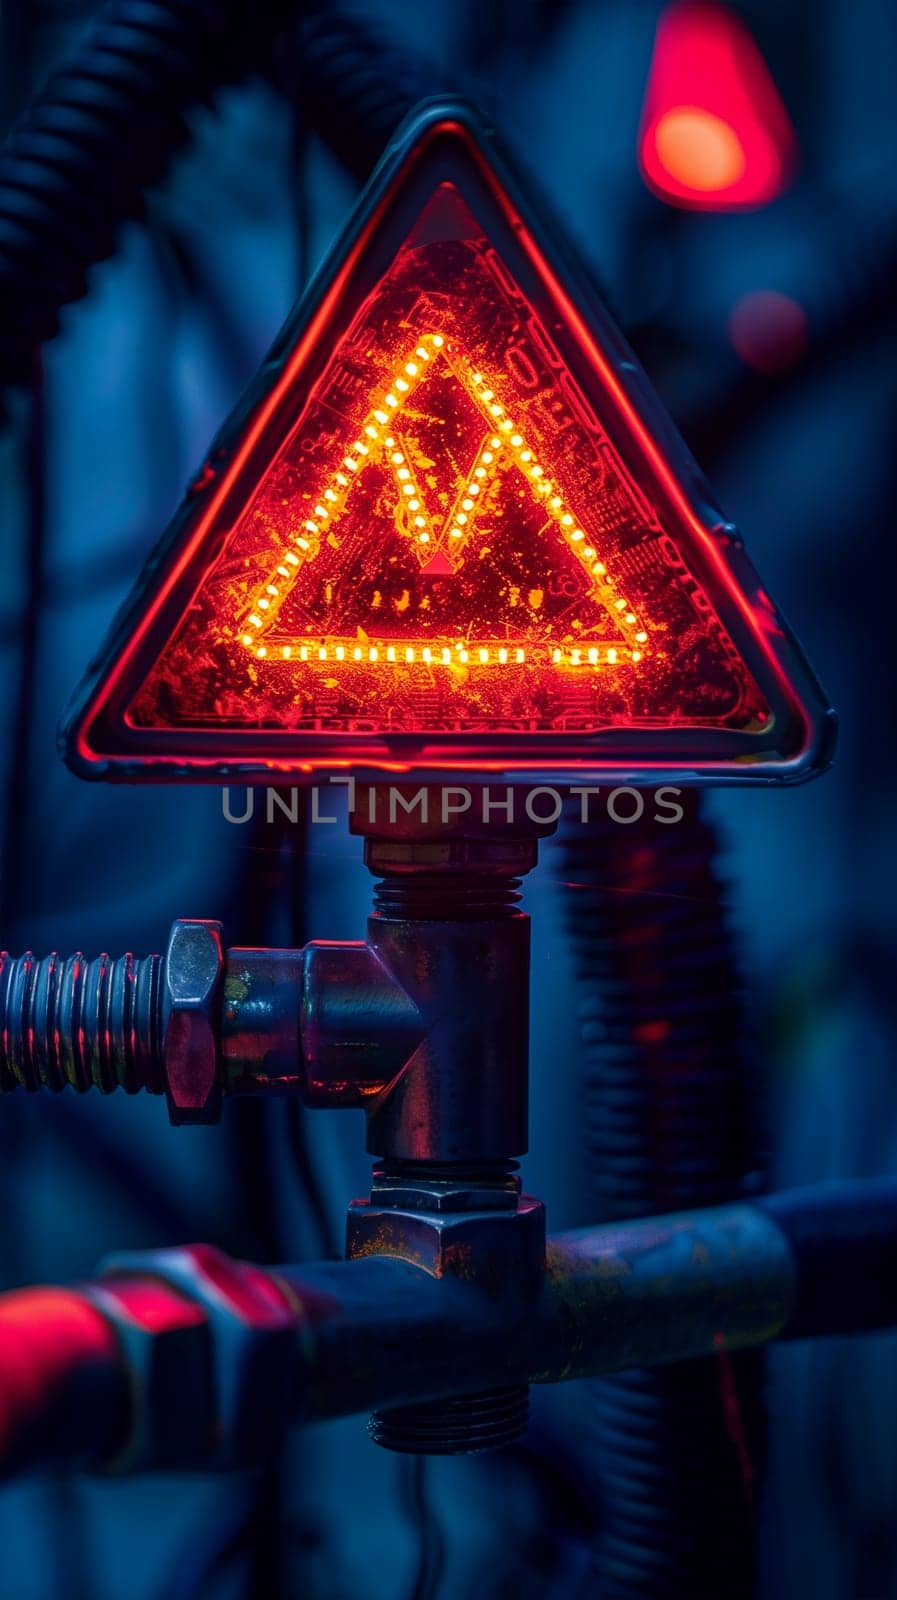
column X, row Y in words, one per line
column 644, row 1293
column 327, row 1340
column 501, row 1253
column 637, row 1294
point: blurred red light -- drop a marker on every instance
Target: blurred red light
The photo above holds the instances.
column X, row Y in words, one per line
column 48, row 1339
column 768, row 330
column 714, row 134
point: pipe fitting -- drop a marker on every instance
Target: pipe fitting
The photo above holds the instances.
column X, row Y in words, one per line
column 497, row 1253
column 462, row 1095
column 330, row 1022
column 359, row 1026
column 502, row 1251
column 436, row 1186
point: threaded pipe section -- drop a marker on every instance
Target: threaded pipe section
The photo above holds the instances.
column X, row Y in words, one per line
column 353, row 85
column 461, row 897
column 65, row 1020
column 464, row 1425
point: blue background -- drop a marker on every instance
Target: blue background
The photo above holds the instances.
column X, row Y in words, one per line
column 96, row 456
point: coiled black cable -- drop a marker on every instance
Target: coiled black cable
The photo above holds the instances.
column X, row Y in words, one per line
column 107, row 125
column 101, row 133
column 354, row 87
column 671, row 1123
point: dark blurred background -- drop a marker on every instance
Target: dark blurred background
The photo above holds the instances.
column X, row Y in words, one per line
column 771, row 334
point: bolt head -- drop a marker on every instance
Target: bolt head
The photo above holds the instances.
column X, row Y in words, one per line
column 193, row 968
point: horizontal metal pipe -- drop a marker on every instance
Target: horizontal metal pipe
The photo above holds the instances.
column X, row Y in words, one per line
column 638, row 1294
column 380, row 1332
column 843, row 1237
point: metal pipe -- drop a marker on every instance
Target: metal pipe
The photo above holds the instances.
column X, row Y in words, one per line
column 342, row 1337
column 636, row 1294
column 329, row 1022
column 446, row 924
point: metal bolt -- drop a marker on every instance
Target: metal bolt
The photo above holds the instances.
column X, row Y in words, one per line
column 193, row 967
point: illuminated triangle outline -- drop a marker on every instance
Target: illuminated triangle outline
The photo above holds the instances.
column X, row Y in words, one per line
column 372, row 442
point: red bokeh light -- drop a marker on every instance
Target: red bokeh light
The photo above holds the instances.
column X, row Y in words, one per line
column 768, row 330
column 49, row 1338
column 714, row 133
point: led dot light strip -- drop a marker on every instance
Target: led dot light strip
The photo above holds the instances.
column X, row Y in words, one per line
column 546, row 493
column 457, row 654
column 410, row 503
column 490, row 461
column 503, row 447
column 373, row 439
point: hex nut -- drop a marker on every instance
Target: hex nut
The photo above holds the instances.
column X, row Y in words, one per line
column 167, row 1351
column 192, row 973
column 209, row 1345
column 501, row 1251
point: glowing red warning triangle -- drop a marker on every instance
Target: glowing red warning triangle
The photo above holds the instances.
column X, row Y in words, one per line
column 448, row 529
